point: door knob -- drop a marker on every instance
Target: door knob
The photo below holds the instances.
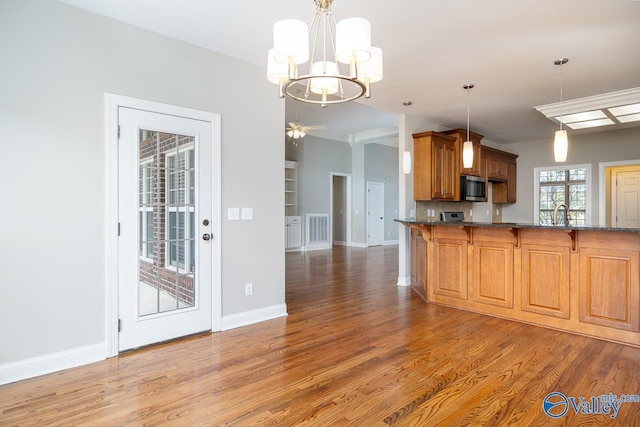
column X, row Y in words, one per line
column 206, row 236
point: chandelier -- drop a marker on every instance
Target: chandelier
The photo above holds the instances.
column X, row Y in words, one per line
column 342, row 64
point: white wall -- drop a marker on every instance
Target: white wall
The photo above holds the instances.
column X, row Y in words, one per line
column 586, row 148
column 58, row 61
column 381, row 165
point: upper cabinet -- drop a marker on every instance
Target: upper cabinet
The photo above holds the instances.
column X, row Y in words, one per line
column 461, row 137
column 436, row 168
column 500, row 167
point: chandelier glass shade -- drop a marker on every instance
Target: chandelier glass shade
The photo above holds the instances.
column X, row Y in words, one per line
column 338, row 65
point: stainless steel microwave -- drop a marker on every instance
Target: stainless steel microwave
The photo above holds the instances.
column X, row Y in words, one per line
column 473, row 188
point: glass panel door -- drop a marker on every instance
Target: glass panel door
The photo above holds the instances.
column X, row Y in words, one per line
column 167, row 226
column 165, row 250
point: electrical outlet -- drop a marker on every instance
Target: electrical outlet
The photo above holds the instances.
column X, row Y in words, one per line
column 247, row 214
column 470, row 212
column 248, row 289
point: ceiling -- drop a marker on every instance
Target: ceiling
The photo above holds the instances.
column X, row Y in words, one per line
column 431, row 50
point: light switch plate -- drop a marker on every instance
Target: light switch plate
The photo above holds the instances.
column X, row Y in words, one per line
column 233, row 214
column 247, row 214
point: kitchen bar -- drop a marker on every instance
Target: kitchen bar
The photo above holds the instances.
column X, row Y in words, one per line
column 579, row 279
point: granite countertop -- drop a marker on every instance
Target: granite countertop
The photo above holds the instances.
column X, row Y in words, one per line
column 408, row 221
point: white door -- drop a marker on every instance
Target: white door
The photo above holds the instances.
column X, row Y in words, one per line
column 165, row 219
column 375, row 213
column 625, row 207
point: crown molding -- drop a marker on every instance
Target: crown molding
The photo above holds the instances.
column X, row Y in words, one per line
column 590, row 103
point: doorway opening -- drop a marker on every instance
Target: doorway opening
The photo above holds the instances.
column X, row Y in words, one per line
column 619, row 190
column 340, row 209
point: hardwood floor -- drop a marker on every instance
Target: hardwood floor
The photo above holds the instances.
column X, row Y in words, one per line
column 355, row 350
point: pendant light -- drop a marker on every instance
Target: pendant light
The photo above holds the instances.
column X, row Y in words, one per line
column 406, row 156
column 467, row 147
column 406, row 162
column 561, row 142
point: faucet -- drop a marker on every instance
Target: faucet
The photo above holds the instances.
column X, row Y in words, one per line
column 567, row 216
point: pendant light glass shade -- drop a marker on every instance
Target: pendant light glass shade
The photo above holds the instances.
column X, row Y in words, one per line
column 560, row 146
column 406, row 162
column 467, row 155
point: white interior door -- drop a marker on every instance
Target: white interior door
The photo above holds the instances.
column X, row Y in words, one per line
column 165, row 219
column 625, row 209
column 375, row 213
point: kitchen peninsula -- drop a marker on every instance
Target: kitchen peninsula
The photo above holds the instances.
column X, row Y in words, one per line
column 578, row 279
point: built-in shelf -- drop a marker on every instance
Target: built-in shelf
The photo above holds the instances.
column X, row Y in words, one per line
column 290, row 188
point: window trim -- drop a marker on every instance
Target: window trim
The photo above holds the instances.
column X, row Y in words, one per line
column 145, row 164
column 186, row 210
column 536, row 189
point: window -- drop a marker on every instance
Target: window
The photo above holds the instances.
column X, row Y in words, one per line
column 180, row 212
column 556, row 185
column 145, row 209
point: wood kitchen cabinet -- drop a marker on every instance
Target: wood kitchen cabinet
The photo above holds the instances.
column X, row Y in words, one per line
column 419, row 263
column 500, row 167
column 583, row 281
column 610, row 281
column 450, row 261
column 461, row 137
column 492, row 267
column 546, row 272
column 436, row 169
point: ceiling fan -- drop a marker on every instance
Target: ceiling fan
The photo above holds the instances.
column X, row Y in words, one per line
column 297, row 130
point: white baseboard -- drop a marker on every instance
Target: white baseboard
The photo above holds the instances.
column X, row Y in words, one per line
column 316, row 248
column 339, row 243
column 253, row 316
column 391, row 242
column 49, row 363
column 359, row 245
column 404, row 281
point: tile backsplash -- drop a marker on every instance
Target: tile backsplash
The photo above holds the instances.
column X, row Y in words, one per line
column 482, row 212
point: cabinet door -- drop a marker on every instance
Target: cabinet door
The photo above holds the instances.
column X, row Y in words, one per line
column 609, row 288
column 546, row 280
column 293, row 235
column 450, row 268
column 511, row 182
column 419, row 263
column 437, row 170
column 444, row 172
column 493, row 273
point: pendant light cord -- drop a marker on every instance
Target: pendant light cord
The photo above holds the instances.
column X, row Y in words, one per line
column 561, row 116
column 468, row 95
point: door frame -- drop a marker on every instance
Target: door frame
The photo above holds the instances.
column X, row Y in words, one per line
column 604, row 190
column 381, row 184
column 348, row 207
column 613, row 189
column 112, row 103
